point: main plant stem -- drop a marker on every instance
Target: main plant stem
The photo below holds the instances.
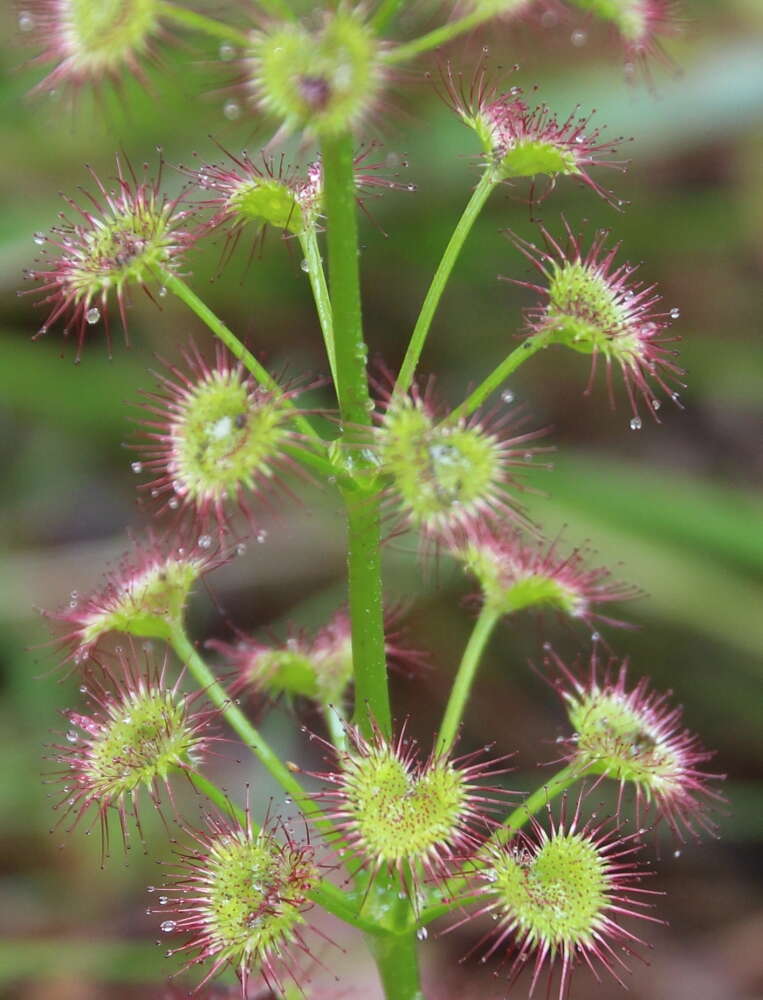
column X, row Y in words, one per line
column 434, row 293
column 398, row 964
column 395, row 954
column 355, row 405
column 467, row 671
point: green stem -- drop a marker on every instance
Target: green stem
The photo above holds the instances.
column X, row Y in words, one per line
column 479, row 196
column 210, row 791
column 186, row 295
column 439, row 36
column 217, row 29
column 363, row 517
column 335, row 722
column 528, row 347
column 236, row 719
column 252, row 738
column 205, row 25
column 459, row 695
column 560, row 782
column 309, row 243
column 397, row 960
column 513, row 822
column 366, row 602
column 385, row 12
column 344, row 277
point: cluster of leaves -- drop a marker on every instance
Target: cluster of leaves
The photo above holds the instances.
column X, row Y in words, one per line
column 418, row 833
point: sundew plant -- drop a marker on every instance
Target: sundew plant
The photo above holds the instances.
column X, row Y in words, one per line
column 394, row 837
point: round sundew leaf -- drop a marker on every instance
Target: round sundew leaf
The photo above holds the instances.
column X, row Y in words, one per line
column 558, row 894
column 536, row 156
column 102, row 34
column 145, row 737
column 323, row 81
column 509, row 585
column 616, row 740
column 400, row 815
column 225, row 436
column 147, row 604
column 254, row 901
column 267, row 201
column 583, row 308
column 131, row 245
column 632, row 18
column 240, row 896
column 439, row 472
column 126, row 233
column 282, row 671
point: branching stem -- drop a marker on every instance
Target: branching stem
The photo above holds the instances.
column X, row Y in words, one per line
column 217, row 29
column 444, row 269
column 439, row 36
column 475, row 399
column 462, row 686
column 314, row 263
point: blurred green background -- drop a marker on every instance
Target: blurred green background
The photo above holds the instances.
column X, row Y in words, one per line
column 675, row 508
